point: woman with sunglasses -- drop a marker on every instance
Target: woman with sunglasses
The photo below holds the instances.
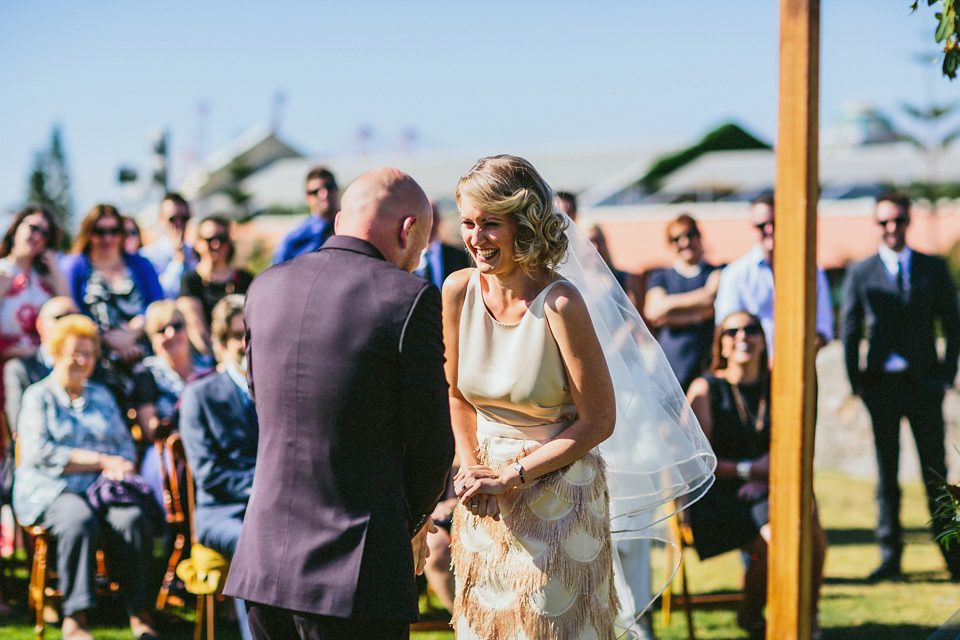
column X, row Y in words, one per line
column 160, row 379
column 110, row 285
column 29, row 276
column 732, row 403
column 134, row 240
column 212, row 279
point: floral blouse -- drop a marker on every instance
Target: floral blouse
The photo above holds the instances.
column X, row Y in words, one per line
column 21, row 306
column 49, row 427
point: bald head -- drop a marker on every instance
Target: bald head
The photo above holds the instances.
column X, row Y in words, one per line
column 52, row 310
column 388, row 209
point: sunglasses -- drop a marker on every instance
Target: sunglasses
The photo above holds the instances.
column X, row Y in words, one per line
column 38, row 229
column 178, row 219
column 749, row 330
column 900, row 221
column 176, row 325
column 237, row 335
column 329, row 186
column 102, row 232
column 689, row 235
column 216, row 239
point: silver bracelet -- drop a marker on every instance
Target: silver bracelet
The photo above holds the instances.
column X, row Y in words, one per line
column 744, row 467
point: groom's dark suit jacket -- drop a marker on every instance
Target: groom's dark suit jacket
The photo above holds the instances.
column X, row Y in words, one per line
column 345, row 363
column 906, row 327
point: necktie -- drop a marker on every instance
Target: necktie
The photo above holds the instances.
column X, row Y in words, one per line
column 901, row 284
column 428, row 271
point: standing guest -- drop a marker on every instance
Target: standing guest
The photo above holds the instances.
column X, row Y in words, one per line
column 324, row 203
column 218, row 424
column 746, row 284
column 531, row 398
column 898, row 298
column 439, row 260
column 134, row 240
column 20, row 373
column 110, row 285
column 680, row 299
column 170, row 254
column 71, row 433
column 212, row 279
column 599, row 241
column 732, row 404
column 29, row 276
column 567, row 202
column 355, row 443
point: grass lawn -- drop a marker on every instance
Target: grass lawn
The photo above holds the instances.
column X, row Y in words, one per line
column 850, row 608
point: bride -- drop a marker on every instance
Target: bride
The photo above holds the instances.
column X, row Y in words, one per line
column 546, row 360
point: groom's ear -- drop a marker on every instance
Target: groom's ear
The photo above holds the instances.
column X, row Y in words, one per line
column 407, row 231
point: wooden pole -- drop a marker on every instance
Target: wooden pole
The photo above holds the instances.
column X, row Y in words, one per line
column 793, row 401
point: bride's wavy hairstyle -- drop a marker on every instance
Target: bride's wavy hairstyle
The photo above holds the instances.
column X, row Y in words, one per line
column 510, row 185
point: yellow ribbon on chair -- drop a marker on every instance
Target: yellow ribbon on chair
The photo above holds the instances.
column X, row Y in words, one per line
column 204, row 572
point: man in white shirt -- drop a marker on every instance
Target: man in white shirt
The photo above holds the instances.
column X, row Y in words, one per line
column 746, row 284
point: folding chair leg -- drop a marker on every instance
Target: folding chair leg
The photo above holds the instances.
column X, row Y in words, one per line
column 198, row 627
column 210, row 616
column 687, row 605
column 178, row 544
column 38, row 584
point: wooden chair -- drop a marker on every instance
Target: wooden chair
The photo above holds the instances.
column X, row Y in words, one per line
column 174, row 508
column 205, row 572
column 683, row 535
column 43, row 575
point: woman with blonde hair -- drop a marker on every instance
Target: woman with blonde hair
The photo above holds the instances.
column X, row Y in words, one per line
column 537, row 383
column 70, row 433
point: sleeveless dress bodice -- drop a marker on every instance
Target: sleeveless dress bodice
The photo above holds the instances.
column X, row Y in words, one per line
column 544, row 571
column 512, row 373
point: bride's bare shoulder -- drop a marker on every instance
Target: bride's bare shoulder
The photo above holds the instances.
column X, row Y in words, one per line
column 455, row 286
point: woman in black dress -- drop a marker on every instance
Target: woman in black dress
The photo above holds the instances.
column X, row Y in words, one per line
column 732, row 403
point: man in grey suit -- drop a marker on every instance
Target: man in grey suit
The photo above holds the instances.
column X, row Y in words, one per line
column 345, row 364
column 898, row 296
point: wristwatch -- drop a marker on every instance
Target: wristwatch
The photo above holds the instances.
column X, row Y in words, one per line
column 743, row 469
column 519, row 468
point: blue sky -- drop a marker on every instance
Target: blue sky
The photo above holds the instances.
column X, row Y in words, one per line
column 506, row 75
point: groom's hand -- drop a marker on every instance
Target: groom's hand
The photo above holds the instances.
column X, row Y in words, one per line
column 419, row 543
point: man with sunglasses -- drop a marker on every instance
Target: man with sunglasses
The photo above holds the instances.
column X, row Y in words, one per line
column 895, row 299
column 323, row 199
column 170, row 254
column 679, row 301
column 746, row 284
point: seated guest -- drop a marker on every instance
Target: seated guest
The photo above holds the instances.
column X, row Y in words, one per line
column 160, row 379
column 29, row 276
column 212, row 279
column 20, row 373
column 218, row 424
column 70, row 433
column 732, row 403
column 679, row 302
column 134, row 239
column 110, row 285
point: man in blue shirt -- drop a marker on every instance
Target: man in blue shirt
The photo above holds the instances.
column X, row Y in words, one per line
column 323, row 198
column 746, row 284
column 170, row 254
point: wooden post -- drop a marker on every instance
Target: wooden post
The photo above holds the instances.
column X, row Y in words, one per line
column 793, row 406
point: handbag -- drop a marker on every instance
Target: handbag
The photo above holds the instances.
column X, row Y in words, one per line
column 133, row 490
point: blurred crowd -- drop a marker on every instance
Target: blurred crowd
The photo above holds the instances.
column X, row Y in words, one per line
column 113, row 347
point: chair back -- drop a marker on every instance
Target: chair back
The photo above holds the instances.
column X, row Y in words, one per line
column 172, row 460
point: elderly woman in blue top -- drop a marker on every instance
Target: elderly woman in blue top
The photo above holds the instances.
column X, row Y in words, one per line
column 70, row 432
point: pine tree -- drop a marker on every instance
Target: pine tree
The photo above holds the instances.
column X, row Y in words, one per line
column 49, row 182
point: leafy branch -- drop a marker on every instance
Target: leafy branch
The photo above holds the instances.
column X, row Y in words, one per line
column 947, row 33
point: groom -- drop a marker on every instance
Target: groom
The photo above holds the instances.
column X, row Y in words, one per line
column 345, row 364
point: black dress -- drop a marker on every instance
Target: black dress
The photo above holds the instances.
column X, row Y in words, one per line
column 210, row 293
column 721, row 521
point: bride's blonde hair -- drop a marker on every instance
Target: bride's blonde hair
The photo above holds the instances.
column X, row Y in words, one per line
column 510, row 185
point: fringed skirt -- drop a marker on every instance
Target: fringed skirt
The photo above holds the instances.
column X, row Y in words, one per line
column 545, row 570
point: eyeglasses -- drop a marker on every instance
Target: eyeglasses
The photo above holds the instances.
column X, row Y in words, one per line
column 749, row 330
column 38, row 229
column 900, row 221
column 689, row 235
column 63, row 315
column 763, row 226
column 329, row 186
column 176, row 325
column 102, row 232
column 79, row 356
column 178, row 219
column 218, row 239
